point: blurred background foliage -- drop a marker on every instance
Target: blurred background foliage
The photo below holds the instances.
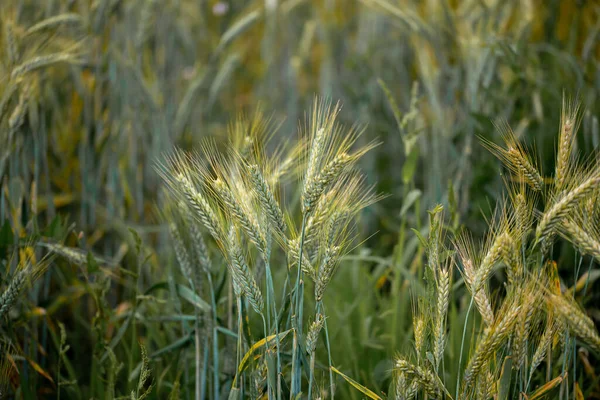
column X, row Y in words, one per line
column 94, row 93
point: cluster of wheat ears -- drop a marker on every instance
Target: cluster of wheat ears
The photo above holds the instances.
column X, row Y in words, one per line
column 236, row 196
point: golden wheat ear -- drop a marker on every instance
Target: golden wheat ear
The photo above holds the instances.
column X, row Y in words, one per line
column 582, row 182
column 570, row 118
column 515, row 157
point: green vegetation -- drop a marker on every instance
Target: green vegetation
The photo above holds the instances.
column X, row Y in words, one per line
column 187, row 211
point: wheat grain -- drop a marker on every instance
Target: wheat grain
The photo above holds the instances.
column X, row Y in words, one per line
column 182, row 254
column 491, row 341
column 568, row 126
column 267, row 199
column 11, row 293
column 244, row 282
column 576, row 320
column 443, row 296
column 313, row 333
column 244, row 217
column 202, row 209
column 426, row 379
column 585, row 242
column 315, row 188
column 558, row 211
column 326, row 271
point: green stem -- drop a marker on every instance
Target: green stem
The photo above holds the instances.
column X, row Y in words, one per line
column 236, row 379
column 215, row 339
column 327, row 344
column 462, row 344
column 297, row 320
column 271, row 298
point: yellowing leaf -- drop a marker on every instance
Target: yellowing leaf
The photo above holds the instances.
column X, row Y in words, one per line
column 357, row 386
column 40, row 370
column 543, row 390
column 250, row 353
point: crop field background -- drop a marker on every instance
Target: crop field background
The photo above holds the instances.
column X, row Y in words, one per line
column 290, row 199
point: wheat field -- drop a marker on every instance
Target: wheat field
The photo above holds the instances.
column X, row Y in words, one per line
column 299, row 199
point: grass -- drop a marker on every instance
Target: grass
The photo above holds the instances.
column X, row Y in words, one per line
column 187, row 211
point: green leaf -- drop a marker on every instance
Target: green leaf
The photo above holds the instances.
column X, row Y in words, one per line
column 137, row 239
column 179, row 343
column 421, row 237
column 505, row 378
column 410, row 199
column 392, row 103
column 261, row 343
column 185, row 293
column 547, row 387
column 92, row 265
column 6, row 238
column 410, row 166
column 234, row 394
column 188, row 295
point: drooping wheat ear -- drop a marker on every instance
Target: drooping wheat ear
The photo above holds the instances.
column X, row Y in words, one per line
column 17, row 117
column 443, row 297
column 267, row 199
column 515, row 157
column 199, row 245
column 313, row 333
column 12, row 47
column 561, row 208
column 510, row 256
column 401, row 386
column 326, row 271
column 522, row 212
column 429, row 382
column 544, row 344
column 314, row 188
column 317, row 220
column 500, row 245
column 51, row 22
column 243, row 279
column 243, row 216
column 526, row 169
column 486, row 386
column 293, row 254
column 586, row 243
column 183, row 257
column 404, row 389
column 43, row 61
column 523, row 325
column 491, row 341
column 569, row 120
column 200, row 206
column 576, row 320
column 11, row 293
column 335, row 225
column 419, row 332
